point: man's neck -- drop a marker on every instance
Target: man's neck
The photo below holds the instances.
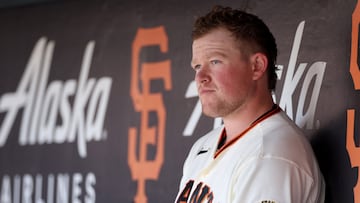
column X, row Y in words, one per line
column 237, row 123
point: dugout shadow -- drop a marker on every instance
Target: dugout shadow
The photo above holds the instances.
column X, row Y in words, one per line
column 329, row 145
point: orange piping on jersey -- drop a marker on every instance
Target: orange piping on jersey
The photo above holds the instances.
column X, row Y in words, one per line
column 270, row 113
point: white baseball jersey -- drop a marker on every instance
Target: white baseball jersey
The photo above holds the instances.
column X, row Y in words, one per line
column 271, row 162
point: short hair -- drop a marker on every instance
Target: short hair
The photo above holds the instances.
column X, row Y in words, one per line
column 252, row 33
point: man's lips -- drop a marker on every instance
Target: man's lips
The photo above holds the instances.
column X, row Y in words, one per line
column 205, row 90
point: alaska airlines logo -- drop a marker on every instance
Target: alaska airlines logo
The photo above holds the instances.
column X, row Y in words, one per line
column 48, row 116
column 147, row 104
column 303, row 117
column 353, row 150
column 51, row 188
column 201, row 194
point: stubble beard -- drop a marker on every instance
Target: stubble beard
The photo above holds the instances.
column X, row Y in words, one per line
column 219, row 107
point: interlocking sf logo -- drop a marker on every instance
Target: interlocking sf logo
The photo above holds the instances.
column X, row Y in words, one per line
column 146, row 103
column 353, row 150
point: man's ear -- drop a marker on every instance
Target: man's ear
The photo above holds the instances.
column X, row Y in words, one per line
column 259, row 65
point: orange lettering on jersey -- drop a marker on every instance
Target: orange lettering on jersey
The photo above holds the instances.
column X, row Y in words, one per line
column 354, row 152
column 201, row 194
column 146, row 103
column 184, row 196
column 354, row 66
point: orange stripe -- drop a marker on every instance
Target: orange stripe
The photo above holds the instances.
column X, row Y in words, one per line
column 276, row 110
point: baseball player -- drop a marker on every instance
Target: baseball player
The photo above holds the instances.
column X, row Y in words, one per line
column 259, row 154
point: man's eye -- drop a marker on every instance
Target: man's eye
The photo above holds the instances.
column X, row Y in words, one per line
column 214, row 62
column 196, row 67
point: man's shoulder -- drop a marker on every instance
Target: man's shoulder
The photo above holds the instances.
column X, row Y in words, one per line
column 283, row 139
column 280, row 128
column 210, row 137
column 207, row 141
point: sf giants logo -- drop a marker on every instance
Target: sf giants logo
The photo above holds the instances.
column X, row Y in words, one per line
column 353, row 150
column 146, row 103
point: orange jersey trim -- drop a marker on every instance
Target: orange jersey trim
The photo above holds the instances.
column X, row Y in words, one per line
column 270, row 113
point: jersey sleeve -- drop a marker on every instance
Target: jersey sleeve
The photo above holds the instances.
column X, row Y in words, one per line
column 189, row 162
column 272, row 180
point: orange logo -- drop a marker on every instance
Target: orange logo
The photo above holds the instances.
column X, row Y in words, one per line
column 145, row 103
column 354, row 66
column 353, row 150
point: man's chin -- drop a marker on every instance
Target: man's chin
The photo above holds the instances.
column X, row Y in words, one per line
column 210, row 114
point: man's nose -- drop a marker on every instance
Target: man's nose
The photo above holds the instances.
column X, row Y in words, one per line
column 202, row 75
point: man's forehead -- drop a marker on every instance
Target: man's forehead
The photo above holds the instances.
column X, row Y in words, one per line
column 210, row 52
column 210, row 48
column 214, row 42
column 210, row 45
column 211, row 41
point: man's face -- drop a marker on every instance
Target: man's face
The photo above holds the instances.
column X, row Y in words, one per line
column 223, row 74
